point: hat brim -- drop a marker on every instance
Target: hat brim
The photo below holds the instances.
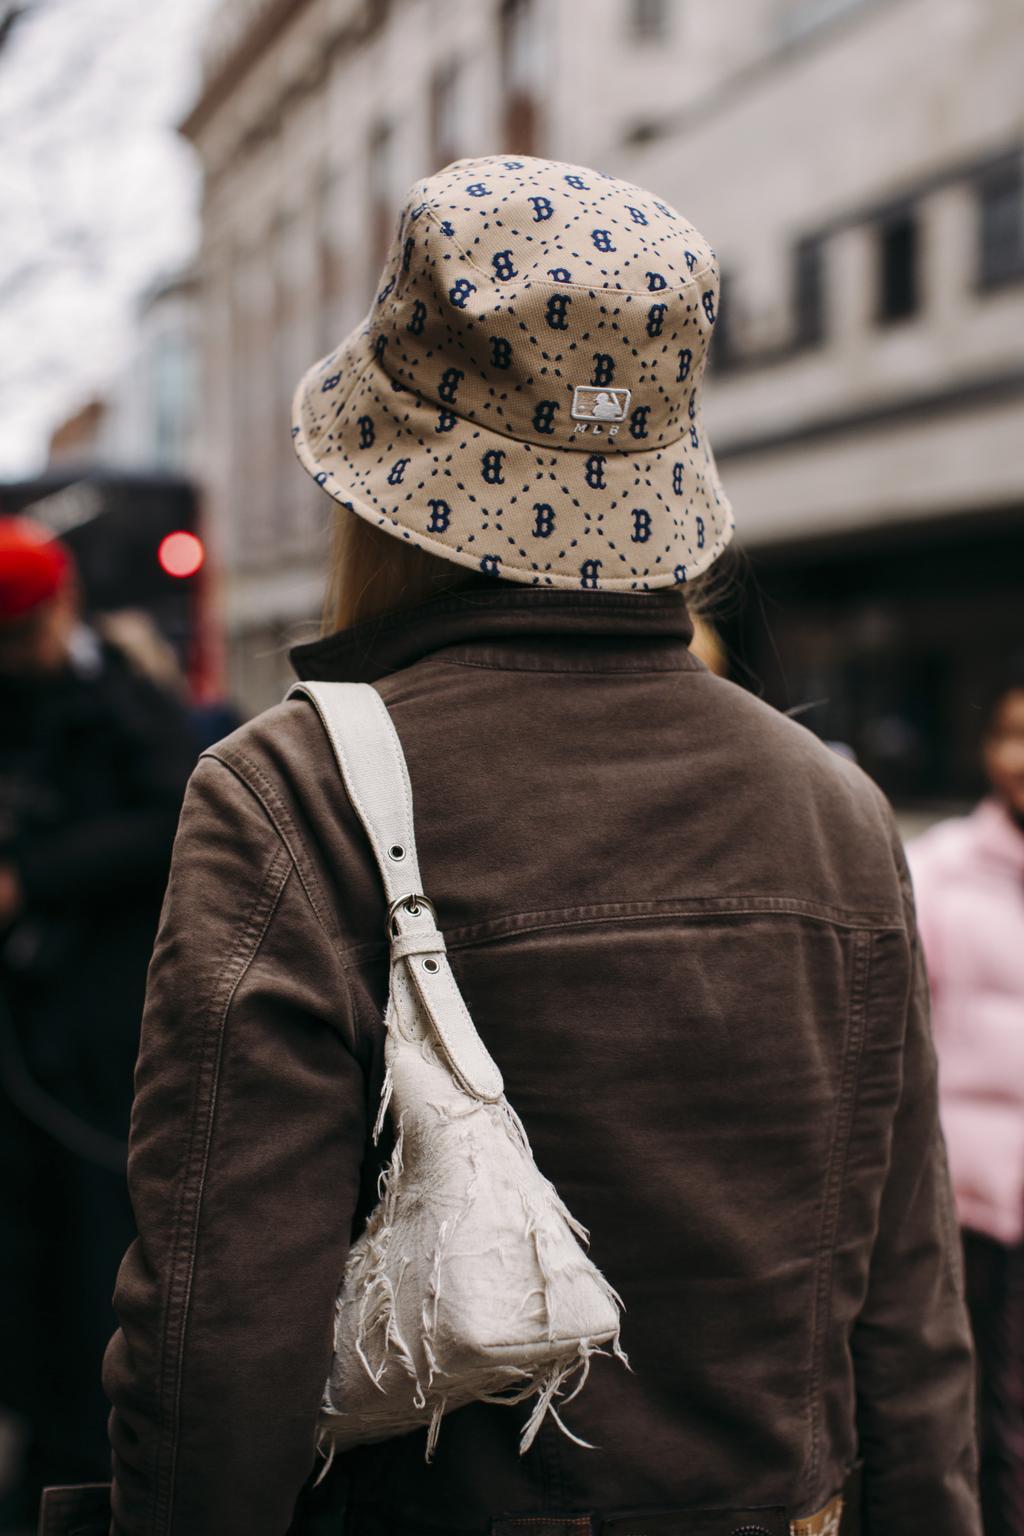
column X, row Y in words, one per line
column 555, row 517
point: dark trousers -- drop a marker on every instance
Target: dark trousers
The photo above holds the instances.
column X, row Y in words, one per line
column 994, row 1277
column 64, row 1227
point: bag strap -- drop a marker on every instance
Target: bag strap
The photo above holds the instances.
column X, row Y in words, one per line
column 373, row 767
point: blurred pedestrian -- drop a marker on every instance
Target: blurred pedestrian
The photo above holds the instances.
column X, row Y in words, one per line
column 969, row 881
column 93, row 763
column 684, row 927
column 134, row 633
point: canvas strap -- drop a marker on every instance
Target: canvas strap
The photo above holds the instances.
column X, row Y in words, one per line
column 373, row 767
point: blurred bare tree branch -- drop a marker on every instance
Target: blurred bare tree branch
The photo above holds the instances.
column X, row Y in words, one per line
column 10, row 14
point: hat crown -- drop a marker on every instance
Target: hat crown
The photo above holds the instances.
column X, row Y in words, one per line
column 550, row 303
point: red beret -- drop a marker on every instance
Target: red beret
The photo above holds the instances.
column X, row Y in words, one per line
column 33, row 564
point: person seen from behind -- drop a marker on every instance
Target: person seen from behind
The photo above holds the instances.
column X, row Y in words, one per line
column 93, row 764
column 684, row 928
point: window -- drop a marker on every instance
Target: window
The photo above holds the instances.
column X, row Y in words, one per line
column 809, row 292
column 897, row 266
column 802, row 18
column 648, row 19
column 331, row 219
column 254, row 430
column 1000, row 192
column 445, row 115
column 521, row 74
column 173, row 397
column 382, row 213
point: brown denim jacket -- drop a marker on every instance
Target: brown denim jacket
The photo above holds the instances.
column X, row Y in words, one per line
column 685, row 930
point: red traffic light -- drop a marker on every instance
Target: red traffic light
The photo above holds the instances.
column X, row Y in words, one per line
column 181, row 554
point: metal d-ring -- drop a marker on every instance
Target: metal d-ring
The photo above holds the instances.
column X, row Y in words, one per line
column 411, row 901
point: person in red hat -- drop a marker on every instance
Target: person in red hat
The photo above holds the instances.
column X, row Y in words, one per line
column 93, row 763
column 33, row 566
column 39, row 596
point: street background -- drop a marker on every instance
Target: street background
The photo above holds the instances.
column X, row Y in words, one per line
column 195, row 202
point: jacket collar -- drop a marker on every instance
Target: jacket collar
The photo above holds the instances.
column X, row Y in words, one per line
column 512, row 626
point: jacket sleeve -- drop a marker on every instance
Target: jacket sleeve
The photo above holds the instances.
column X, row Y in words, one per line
column 247, row 1133
column 912, row 1349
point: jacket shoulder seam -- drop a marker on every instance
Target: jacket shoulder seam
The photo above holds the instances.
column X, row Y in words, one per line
column 276, row 811
column 277, row 814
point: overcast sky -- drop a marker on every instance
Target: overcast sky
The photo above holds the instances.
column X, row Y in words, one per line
column 98, row 196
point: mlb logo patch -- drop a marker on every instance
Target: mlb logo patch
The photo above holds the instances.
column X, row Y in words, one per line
column 592, row 403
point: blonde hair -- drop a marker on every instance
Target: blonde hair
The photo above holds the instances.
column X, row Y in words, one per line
column 371, row 572
column 136, row 635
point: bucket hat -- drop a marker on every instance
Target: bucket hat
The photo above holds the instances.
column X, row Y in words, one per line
column 525, row 394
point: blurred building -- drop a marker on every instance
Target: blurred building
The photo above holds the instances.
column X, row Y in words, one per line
column 858, row 167
column 861, row 173
column 76, row 439
column 148, row 420
column 122, row 477
column 152, row 417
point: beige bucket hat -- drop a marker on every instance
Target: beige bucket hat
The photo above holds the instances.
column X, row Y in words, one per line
column 524, row 396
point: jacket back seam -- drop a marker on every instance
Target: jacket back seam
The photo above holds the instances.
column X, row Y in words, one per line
column 494, row 930
column 835, row 1183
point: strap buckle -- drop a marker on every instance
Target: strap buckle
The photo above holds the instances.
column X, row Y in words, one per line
column 411, row 901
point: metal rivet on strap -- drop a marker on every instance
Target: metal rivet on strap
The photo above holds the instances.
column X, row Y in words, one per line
column 396, row 852
column 430, row 964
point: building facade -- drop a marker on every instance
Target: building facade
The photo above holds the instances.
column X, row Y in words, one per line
column 863, row 179
column 858, row 167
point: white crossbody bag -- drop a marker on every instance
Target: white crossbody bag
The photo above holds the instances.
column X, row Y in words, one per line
column 469, row 1282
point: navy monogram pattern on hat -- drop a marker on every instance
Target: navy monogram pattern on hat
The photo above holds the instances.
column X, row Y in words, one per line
column 524, row 397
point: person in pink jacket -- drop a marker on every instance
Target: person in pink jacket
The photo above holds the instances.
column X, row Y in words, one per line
column 968, row 875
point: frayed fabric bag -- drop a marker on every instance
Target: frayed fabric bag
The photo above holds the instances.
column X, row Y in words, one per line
column 469, row 1281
